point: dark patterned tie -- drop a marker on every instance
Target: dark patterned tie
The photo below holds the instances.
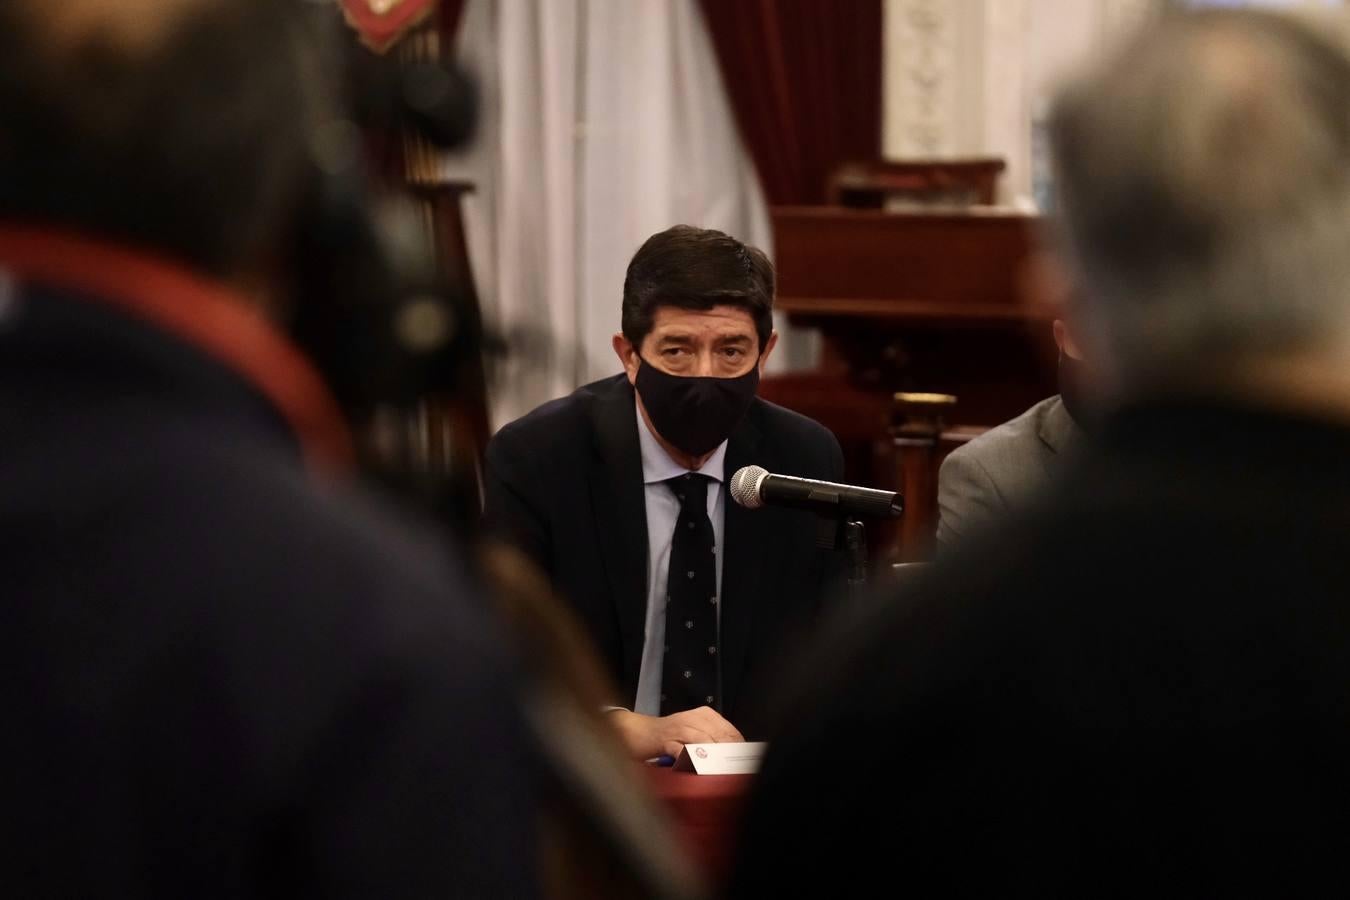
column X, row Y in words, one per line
column 689, row 671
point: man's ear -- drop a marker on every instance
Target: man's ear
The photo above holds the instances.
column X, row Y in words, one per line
column 768, row 348
column 1064, row 340
column 628, row 356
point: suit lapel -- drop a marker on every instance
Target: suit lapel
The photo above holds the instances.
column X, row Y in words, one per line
column 1057, row 427
column 744, row 551
column 621, row 519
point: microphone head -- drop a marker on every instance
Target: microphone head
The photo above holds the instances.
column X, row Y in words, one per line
column 745, row 486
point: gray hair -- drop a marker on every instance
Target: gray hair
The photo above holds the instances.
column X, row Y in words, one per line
column 1204, row 183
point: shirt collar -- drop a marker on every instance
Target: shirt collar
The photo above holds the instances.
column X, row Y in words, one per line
column 657, row 466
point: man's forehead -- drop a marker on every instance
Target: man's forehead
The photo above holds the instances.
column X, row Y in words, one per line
column 719, row 319
column 135, row 27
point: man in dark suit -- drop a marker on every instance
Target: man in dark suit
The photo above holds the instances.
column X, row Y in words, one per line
column 619, row 492
column 1143, row 686
column 227, row 672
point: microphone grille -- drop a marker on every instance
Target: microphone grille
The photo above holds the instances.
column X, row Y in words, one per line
column 745, row 486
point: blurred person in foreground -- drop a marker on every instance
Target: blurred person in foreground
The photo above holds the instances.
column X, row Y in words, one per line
column 1144, row 686
column 227, row 674
column 619, row 493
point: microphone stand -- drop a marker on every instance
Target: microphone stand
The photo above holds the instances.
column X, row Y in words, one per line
column 849, row 536
column 853, row 535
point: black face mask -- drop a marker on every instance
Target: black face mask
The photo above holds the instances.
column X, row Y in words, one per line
column 695, row 413
column 1073, row 391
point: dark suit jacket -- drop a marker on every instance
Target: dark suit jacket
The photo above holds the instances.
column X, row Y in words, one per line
column 223, row 678
column 565, row 484
column 1141, row 689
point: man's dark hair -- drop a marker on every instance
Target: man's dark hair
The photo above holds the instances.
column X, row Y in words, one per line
column 191, row 143
column 696, row 268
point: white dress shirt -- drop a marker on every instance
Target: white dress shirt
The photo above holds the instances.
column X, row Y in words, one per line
column 663, row 510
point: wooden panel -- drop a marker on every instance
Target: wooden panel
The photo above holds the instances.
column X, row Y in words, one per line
column 939, row 266
column 877, row 183
column 917, row 302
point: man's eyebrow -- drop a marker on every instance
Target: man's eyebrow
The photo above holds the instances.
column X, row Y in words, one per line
column 734, row 339
column 676, row 337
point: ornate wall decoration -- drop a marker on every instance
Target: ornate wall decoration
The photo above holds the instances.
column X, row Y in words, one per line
column 920, row 63
column 970, row 77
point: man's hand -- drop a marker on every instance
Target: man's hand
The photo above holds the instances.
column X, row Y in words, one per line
column 649, row 736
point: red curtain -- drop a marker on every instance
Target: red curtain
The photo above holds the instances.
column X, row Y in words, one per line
column 804, row 77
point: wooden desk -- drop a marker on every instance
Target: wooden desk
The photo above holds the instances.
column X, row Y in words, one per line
column 706, row 810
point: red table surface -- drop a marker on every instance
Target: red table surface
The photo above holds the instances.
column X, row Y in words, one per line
column 706, row 810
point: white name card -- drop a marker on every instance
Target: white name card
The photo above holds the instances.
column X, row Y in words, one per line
column 721, row 759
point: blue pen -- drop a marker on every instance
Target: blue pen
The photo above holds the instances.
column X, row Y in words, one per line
column 664, row 760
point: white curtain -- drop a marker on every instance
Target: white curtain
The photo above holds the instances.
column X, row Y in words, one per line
column 604, row 122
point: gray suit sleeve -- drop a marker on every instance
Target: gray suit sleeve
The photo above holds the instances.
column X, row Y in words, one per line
column 967, row 499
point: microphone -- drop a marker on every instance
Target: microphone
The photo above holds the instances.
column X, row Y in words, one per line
column 753, row 487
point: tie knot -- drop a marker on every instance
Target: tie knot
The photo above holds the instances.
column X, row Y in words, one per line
column 692, row 490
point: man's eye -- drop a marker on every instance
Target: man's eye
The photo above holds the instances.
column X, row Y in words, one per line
column 734, row 352
column 673, row 351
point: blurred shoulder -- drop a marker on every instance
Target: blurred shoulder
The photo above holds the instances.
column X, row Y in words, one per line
column 272, row 542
